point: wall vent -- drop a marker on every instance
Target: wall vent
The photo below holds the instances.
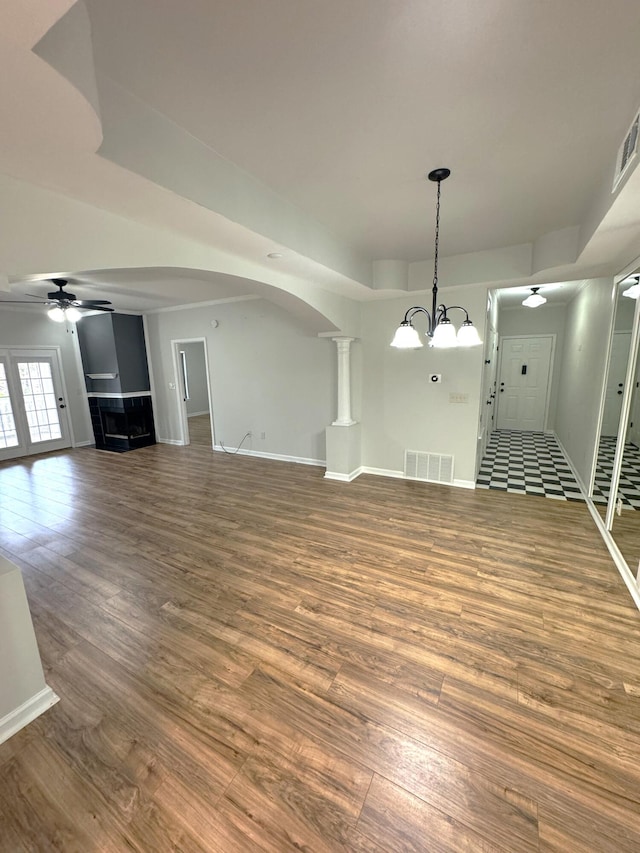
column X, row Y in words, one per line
column 429, row 467
column 628, row 151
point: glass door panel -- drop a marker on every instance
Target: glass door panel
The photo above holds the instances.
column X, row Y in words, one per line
column 39, row 400
column 8, row 432
column 33, row 416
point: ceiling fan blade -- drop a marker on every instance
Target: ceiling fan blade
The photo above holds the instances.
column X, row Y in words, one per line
column 96, row 308
column 34, row 295
column 87, row 303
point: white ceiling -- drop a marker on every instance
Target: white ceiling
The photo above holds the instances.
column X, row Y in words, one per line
column 343, row 107
column 335, row 110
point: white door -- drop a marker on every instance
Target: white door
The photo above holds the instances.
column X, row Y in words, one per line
column 525, row 370
column 620, row 346
column 33, row 411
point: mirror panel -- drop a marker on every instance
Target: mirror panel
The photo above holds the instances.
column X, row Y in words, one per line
column 614, row 392
column 625, row 515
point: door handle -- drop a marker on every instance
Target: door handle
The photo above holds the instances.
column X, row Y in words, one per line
column 62, row 405
column 619, row 392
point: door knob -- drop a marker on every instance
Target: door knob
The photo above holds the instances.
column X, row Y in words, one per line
column 62, row 405
column 619, row 392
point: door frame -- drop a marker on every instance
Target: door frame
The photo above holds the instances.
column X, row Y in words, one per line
column 54, row 352
column 547, row 402
column 183, row 420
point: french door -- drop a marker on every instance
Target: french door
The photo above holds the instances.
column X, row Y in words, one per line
column 33, row 411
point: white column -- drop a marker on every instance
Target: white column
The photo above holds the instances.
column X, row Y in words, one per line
column 344, row 383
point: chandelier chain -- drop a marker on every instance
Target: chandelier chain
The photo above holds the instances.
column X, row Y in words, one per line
column 435, row 257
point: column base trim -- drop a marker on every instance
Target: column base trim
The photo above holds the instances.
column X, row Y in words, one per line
column 24, row 714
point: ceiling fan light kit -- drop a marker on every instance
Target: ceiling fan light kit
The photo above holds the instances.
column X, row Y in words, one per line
column 64, row 305
column 440, row 331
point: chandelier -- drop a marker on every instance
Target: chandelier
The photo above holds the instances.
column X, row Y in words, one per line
column 441, row 332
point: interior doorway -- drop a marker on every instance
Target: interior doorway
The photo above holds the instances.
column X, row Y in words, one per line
column 33, row 409
column 524, row 382
column 194, row 391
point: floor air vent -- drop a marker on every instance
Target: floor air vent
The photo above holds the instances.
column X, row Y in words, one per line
column 430, row 467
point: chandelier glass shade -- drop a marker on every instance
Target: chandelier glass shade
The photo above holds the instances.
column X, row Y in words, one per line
column 441, row 333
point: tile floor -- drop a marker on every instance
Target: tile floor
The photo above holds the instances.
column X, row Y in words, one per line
column 527, row 463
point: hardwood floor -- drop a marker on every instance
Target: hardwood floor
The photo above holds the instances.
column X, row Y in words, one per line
column 200, row 430
column 250, row 657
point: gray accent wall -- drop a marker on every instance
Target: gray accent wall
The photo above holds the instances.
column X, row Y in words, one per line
column 114, row 343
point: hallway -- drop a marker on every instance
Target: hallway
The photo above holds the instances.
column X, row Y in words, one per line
column 527, row 463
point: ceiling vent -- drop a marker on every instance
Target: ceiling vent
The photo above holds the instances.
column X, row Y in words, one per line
column 627, row 153
column 428, row 467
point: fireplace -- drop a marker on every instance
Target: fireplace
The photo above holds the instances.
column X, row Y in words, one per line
column 122, row 423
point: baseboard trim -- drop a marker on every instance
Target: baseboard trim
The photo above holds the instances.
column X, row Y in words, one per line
column 616, row 555
column 197, row 414
column 174, row 441
column 279, row 457
column 88, row 443
column 396, row 475
column 21, row 716
column 342, row 478
column 464, row 484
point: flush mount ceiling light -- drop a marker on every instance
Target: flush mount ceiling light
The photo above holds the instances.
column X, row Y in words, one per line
column 441, row 331
column 534, row 300
column 634, row 290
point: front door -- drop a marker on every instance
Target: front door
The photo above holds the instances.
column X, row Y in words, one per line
column 525, row 370
column 33, row 412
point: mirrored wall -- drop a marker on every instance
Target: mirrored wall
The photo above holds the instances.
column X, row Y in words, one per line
column 616, row 488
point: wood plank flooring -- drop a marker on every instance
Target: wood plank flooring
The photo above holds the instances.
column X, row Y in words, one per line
column 250, row 657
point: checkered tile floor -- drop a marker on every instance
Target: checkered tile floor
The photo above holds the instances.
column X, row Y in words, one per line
column 527, row 463
column 629, row 489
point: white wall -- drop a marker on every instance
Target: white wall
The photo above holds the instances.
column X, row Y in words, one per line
column 401, row 409
column 586, row 341
column 33, row 328
column 267, row 375
column 546, row 320
column 198, row 402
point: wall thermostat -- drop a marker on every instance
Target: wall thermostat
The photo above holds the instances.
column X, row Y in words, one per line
column 435, row 377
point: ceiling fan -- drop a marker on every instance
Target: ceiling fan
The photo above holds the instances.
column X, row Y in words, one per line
column 65, row 305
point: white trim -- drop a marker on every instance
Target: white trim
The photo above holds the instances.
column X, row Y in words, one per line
column 26, row 713
column 127, row 395
column 620, row 563
column 85, row 443
column 249, row 297
column 196, row 414
column 583, row 489
column 281, row 457
column 382, row 472
column 463, row 484
column 396, row 475
column 183, row 417
column 174, row 441
column 343, row 478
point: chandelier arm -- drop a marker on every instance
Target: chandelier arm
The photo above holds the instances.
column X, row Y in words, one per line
column 418, row 309
column 460, row 308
